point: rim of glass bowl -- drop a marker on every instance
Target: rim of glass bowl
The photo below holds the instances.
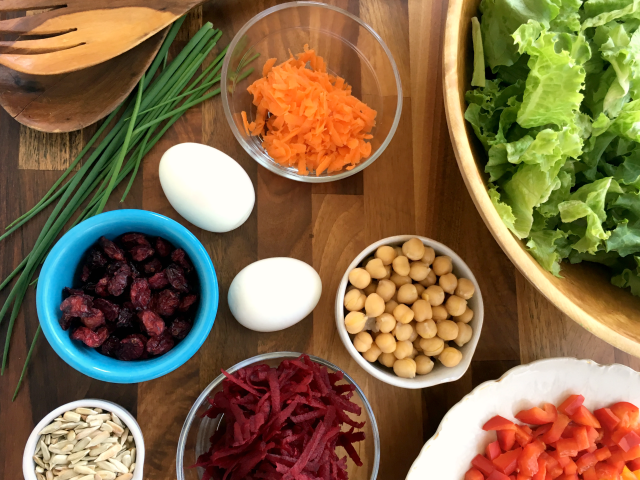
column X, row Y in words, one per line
column 270, row 164
column 188, row 423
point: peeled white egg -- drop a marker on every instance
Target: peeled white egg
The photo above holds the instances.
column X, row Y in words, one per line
column 207, row 187
column 274, row 294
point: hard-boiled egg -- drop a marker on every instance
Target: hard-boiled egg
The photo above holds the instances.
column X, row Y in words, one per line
column 207, row 187
column 274, row 294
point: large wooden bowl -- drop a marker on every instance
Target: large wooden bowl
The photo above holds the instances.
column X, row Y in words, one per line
column 585, row 293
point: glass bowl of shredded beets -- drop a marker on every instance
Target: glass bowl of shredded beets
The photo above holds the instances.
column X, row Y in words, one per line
column 127, row 296
column 280, row 416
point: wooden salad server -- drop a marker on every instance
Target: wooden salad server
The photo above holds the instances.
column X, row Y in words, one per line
column 77, row 34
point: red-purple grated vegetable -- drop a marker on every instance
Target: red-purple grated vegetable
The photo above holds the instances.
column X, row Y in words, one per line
column 282, row 424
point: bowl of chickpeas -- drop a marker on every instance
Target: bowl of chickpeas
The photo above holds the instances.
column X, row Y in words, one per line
column 409, row 311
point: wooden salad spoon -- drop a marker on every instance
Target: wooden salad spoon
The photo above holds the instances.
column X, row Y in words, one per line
column 71, row 101
column 77, row 34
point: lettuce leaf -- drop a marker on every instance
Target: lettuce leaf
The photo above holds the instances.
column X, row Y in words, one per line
column 542, row 245
column 478, row 79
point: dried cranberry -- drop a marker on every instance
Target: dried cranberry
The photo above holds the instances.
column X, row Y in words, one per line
column 163, row 247
column 118, row 283
column 86, row 273
column 66, row 321
column 125, row 317
column 158, row 281
column 135, row 273
column 111, row 249
column 154, row 266
column 102, row 287
column 77, row 305
column 166, row 302
column 95, row 320
column 140, row 293
column 67, row 292
column 179, row 328
column 110, row 346
column 160, row 345
column 176, row 278
column 130, row 348
column 141, row 252
column 187, row 302
column 152, row 324
column 110, row 309
column 130, row 240
column 179, row 256
column 90, row 338
column 96, row 259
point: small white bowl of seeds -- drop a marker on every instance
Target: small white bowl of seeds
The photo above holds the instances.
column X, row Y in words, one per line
column 85, row 440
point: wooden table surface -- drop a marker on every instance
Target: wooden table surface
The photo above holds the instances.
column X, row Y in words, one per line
column 414, row 188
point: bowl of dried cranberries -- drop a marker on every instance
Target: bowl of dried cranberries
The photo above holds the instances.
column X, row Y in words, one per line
column 127, row 296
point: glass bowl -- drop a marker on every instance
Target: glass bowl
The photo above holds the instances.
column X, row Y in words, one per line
column 351, row 49
column 196, row 431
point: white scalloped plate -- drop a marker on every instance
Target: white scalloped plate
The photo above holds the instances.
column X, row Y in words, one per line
column 447, row 455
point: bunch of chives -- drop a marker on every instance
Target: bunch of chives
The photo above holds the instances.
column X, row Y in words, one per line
column 160, row 99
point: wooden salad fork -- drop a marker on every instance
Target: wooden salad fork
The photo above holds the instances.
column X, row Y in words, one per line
column 75, row 34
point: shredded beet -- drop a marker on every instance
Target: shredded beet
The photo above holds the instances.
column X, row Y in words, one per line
column 282, row 424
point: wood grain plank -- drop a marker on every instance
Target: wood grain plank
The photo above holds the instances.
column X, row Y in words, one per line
column 48, row 151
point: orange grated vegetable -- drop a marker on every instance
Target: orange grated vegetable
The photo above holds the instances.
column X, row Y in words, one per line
column 308, row 119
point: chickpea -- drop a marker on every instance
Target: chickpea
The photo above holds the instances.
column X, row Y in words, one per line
column 455, row 305
column 403, row 331
column 376, row 269
column 398, row 250
column 405, row 368
column 403, row 349
column 403, row 314
column 390, row 306
column 413, row 249
column 447, row 330
column 466, row 317
column 465, row 288
column 399, row 280
column 355, row 322
column 442, row 265
column 427, row 329
column 448, row 282
column 464, row 334
column 371, row 288
column 401, row 265
column 416, row 344
column 439, row 313
column 429, row 256
column 386, row 289
column 424, row 364
column 386, row 342
column 387, row 359
column 414, row 354
column 386, row 322
column 450, row 357
column 418, row 271
column 432, row 346
column 374, row 305
column 436, row 295
column 414, row 334
column 372, row 354
column 430, row 280
column 386, row 254
column 363, row 342
column 359, row 278
column 395, row 297
column 420, row 289
column 421, row 310
column 407, row 294
column 354, row 300
column 389, row 270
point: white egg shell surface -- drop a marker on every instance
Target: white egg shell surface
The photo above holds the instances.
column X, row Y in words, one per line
column 206, row 186
column 274, row 294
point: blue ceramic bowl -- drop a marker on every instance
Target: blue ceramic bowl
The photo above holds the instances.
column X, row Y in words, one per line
column 59, row 271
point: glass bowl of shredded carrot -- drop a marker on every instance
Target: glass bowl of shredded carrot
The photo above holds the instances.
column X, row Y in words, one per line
column 311, row 92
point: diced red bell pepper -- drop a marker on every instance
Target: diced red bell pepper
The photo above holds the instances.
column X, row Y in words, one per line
column 625, row 438
column 538, row 416
column 604, row 471
column 572, row 476
column 508, row 461
column 627, row 413
column 498, row 423
column 581, row 438
column 571, row 404
column 632, row 454
column 523, row 435
column 512, row 477
column 528, row 461
column 634, row 465
column 492, row 450
column 473, row 474
column 554, row 472
column 592, row 448
column 627, row 475
column 602, row 454
column 496, row 475
column 584, row 417
column 506, row 439
column 483, row 464
column 567, row 447
column 592, row 434
column 541, row 430
column 586, row 461
column 542, row 470
column 590, row 474
column 607, row 418
column 562, row 461
column 555, row 432
column 571, row 468
column 522, row 477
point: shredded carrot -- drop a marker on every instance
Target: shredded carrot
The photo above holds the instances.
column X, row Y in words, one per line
column 308, row 119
